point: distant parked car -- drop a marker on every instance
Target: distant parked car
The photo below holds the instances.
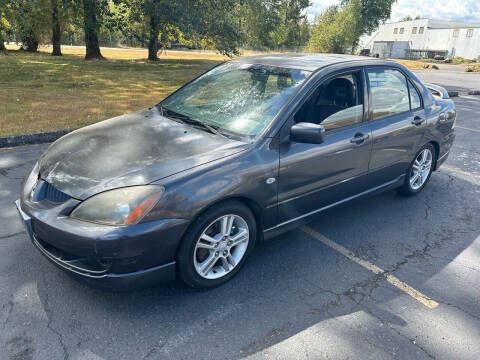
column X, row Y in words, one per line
column 241, row 153
column 365, row 52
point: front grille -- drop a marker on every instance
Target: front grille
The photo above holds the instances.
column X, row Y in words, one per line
column 52, row 194
column 46, row 191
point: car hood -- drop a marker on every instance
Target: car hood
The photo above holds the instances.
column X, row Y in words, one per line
column 132, row 149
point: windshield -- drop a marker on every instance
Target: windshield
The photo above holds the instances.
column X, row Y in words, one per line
column 240, row 98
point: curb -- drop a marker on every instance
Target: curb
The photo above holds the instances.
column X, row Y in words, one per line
column 29, row 139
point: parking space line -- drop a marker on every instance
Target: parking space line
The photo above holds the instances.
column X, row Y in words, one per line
column 459, row 171
column 465, row 128
column 469, row 97
column 417, row 295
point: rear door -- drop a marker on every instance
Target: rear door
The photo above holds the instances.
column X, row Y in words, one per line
column 398, row 123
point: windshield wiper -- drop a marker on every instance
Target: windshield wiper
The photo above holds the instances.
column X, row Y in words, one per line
column 188, row 120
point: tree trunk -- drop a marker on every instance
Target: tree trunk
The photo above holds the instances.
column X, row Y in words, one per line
column 91, row 30
column 2, row 44
column 56, row 31
column 153, row 42
column 30, row 42
column 354, row 46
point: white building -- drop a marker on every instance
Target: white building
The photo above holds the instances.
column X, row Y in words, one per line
column 424, row 38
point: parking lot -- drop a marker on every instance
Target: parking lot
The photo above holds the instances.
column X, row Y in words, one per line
column 379, row 278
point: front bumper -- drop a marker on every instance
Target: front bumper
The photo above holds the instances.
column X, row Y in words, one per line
column 112, row 258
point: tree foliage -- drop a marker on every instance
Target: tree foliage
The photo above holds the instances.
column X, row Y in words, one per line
column 340, row 27
column 336, row 29
column 30, row 20
column 271, row 24
column 224, row 25
column 5, row 25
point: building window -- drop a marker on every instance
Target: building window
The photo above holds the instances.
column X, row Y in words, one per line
column 414, row 30
column 395, row 31
column 402, row 30
column 455, row 33
column 469, row 32
column 420, row 30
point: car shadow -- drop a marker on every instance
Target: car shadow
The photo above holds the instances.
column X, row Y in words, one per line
column 290, row 283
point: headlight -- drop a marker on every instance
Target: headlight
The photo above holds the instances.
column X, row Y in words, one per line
column 30, row 181
column 124, row 206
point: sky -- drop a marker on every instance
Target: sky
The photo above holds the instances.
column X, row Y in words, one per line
column 454, row 10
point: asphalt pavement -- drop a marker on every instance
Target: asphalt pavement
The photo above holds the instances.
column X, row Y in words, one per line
column 452, row 77
column 312, row 293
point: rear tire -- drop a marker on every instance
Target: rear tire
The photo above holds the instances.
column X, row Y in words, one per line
column 419, row 171
column 216, row 245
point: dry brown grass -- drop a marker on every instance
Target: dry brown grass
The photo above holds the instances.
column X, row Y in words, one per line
column 39, row 92
column 412, row 64
column 132, row 53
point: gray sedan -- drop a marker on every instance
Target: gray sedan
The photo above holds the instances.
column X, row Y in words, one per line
column 242, row 153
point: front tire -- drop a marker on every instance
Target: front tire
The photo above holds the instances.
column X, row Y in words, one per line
column 419, row 171
column 216, row 245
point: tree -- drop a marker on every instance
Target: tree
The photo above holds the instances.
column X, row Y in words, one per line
column 371, row 14
column 273, row 23
column 196, row 22
column 340, row 27
column 304, row 33
column 31, row 21
column 213, row 22
column 335, row 30
column 155, row 11
column 56, row 29
column 91, row 26
column 5, row 26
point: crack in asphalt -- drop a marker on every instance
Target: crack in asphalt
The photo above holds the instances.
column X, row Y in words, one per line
column 374, row 281
column 414, row 254
column 52, row 329
column 4, row 173
column 153, row 350
column 399, row 333
column 454, row 261
column 460, row 309
column 9, row 313
column 11, row 235
column 427, row 207
column 373, row 284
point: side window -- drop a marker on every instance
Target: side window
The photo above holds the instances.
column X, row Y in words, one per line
column 415, row 101
column 336, row 103
column 389, row 92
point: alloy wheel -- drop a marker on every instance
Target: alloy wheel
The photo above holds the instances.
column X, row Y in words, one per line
column 221, row 246
column 421, row 169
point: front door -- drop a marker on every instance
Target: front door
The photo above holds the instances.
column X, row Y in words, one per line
column 312, row 176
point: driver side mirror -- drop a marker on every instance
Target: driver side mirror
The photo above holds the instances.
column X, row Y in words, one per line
column 308, row 133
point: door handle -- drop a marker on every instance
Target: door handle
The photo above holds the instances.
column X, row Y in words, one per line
column 359, row 138
column 417, row 120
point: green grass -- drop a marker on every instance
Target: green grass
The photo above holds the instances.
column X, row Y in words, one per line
column 39, row 92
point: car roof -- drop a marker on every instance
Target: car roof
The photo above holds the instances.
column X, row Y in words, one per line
column 304, row 61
